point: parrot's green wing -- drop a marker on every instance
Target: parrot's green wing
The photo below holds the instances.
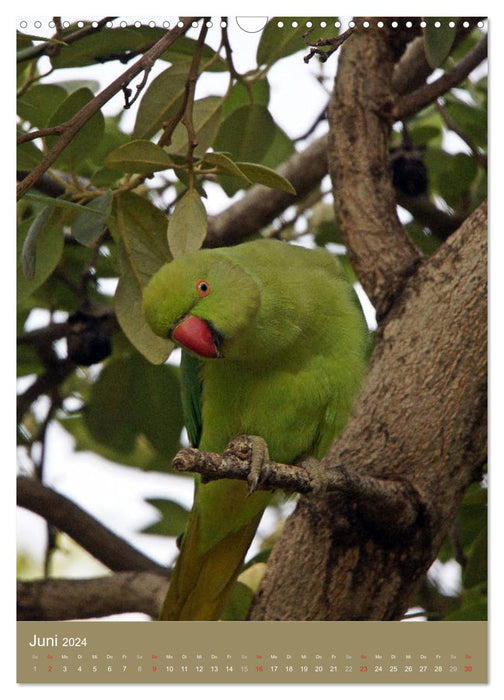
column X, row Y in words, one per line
column 190, row 376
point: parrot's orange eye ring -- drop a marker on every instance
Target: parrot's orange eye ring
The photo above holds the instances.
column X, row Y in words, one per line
column 203, row 288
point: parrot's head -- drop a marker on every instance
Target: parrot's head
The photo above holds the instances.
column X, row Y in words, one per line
column 202, row 301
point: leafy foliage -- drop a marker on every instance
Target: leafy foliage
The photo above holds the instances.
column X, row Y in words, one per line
column 116, row 205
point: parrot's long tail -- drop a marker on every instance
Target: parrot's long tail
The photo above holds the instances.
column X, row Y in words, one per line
column 202, row 583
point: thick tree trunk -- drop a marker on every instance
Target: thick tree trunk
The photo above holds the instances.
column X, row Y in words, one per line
column 420, row 423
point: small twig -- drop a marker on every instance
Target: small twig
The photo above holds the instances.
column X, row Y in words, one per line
column 56, row 374
column 127, row 91
column 322, row 116
column 334, row 43
column 187, row 119
column 41, row 133
column 229, row 56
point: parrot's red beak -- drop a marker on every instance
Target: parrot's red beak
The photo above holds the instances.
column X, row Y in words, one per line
column 198, row 336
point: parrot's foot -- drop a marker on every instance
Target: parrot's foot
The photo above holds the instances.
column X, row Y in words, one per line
column 257, row 452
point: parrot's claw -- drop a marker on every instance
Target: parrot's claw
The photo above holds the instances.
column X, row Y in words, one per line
column 259, row 462
column 256, row 450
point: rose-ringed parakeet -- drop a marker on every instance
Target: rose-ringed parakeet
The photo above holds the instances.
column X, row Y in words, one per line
column 273, row 346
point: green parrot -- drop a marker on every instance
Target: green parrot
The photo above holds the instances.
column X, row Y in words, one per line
column 273, row 345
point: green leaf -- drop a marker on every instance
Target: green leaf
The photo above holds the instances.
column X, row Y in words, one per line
column 474, row 606
column 86, row 140
column 56, row 202
column 173, row 520
column 470, row 119
column 266, row 176
column 138, row 156
column 187, row 226
column 426, row 134
column 281, row 148
column 441, row 166
column 239, row 96
column 161, row 101
column 224, row 165
column 105, row 45
column 73, row 85
column 89, row 225
column 476, row 569
column 439, row 40
column 277, row 42
column 29, row 251
column 139, row 229
column 129, row 310
column 37, row 104
column 206, row 121
column 41, row 252
column 27, row 156
column 246, row 133
column 131, row 398
column 426, row 242
column 471, row 520
column 182, row 52
column 142, row 456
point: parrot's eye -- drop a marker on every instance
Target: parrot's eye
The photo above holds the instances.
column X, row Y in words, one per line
column 203, row 288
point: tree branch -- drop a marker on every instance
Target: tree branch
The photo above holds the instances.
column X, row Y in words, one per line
column 412, row 69
column 73, row 125
column 389, row 506
column 74, row 599
column 90, row 534
column 413, row 102
column 439, row 222
column 382, row 255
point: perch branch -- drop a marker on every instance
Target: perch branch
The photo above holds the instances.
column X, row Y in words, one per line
column 391, row 506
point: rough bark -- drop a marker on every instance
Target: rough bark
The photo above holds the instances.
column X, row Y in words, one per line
column 421, row 418
column 382, row 255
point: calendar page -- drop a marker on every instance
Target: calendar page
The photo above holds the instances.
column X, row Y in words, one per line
column 252, row 364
